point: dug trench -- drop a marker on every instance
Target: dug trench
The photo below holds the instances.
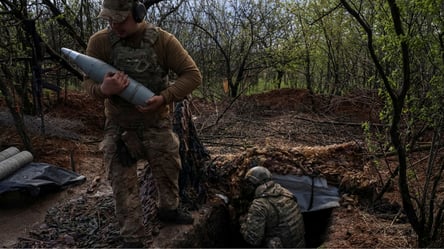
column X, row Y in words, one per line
column 217, row 230
column 88, row 220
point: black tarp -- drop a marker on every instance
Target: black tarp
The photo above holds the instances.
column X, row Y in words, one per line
column 33, row 180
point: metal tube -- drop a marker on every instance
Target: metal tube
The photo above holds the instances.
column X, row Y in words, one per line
column 96, row 69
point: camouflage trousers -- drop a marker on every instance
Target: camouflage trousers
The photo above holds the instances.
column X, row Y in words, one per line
column 161, row 150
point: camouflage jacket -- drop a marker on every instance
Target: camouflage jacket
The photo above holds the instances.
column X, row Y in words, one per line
column 273, row 214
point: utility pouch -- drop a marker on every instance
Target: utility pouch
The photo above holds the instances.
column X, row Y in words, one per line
column 133, row 143
column 124, row 154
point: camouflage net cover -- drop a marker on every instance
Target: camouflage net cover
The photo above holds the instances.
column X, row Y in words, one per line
column 90, row 222
column 342, row 165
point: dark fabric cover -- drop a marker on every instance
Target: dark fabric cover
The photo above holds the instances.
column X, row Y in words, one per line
column 33, row 180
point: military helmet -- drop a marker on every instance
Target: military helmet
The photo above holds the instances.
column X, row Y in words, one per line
column 258, row 175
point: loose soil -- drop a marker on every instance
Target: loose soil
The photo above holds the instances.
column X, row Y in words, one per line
column 286, row 120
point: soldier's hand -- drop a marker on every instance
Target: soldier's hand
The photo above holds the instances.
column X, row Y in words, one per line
column 114, row 83
column 152, row 104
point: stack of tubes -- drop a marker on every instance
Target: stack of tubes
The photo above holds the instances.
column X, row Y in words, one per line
column 12, row 159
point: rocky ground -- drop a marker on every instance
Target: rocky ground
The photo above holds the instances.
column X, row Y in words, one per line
column 288, row 130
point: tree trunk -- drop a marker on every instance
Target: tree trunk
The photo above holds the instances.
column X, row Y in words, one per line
column 15, row 109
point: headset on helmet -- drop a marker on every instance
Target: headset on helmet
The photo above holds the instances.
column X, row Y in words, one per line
column 138, row 11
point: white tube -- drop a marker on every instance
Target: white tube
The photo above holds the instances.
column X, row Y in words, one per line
column 14, row 163
column 8, row 153
column 96, row 69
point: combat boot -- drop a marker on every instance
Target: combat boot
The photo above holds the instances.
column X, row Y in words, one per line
column 177, row 216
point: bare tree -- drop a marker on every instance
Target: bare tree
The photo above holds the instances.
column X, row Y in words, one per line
column 237, row 37
column 423, row 208
column 25, row 62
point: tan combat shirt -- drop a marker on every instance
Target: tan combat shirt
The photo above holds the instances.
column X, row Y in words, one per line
column 170, row 53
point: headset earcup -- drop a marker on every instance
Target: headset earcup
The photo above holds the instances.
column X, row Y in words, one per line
column 139, row 11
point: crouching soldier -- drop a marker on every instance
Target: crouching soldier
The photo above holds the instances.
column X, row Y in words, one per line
column 274, row 219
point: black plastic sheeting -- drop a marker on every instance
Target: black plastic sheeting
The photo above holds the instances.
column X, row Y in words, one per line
column 312, row 193
column 33, row 180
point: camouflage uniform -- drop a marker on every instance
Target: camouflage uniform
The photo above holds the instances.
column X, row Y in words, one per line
column 274, row 219
column 139, row 59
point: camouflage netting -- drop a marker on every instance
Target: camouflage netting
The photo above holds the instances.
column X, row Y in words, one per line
column 90, row 222
column 86, row 222
column 342, row 165
column 194, row 157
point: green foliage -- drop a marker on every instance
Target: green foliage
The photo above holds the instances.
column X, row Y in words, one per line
column 385, row 115
column 411, row 175
column 369, row 137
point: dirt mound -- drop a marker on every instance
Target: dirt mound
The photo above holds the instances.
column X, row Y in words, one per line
column 78, row 106
column 299, row 100
column 357, row 106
